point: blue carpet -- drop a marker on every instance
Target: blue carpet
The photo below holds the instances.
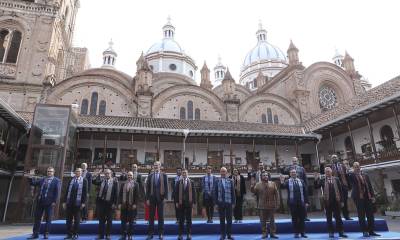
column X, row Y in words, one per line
column 316, row 225
column 320, row 236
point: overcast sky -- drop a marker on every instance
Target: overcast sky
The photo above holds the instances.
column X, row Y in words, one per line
column 368, row 30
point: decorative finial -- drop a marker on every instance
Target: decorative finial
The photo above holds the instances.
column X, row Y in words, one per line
column 219, row 60
column 260, row 27
column 111, row 43
column 169, row 19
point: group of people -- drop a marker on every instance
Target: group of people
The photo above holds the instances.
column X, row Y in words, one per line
column 226, row 192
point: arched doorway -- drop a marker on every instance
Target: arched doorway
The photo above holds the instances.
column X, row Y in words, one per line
column 349, row 147
column 387, row 138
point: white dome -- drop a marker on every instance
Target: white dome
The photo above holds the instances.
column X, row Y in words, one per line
column 264, row 51
column 165, row 45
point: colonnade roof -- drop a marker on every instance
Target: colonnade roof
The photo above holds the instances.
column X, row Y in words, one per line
column 12, row 117
column 178, row 127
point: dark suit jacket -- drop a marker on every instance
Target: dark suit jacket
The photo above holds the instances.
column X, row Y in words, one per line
column 300, row 174
column 84, row 191
column 89, row 180
column 185, row 196
column 285, row 185
column 242, row 186
column 355, row 193
column 336, row 174
column 156, row 196
column 114, row 193
column 53, row 190
column 135, row 193
column 320, row 183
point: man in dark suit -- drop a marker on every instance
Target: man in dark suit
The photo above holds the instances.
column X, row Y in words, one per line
column 255, row 176
column 333, row 200
column 207, row 183
column 106, row 202
column 240, row 190
column 363, row 196
column 185, row 197
column 74, row 201
column 128, row 199
column 156, row 192
column 224, row 195
column 88, row 176
column 340, row 171
column 45, row 201
column 176, row 180
column 297, row 201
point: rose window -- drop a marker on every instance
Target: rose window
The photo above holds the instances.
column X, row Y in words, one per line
column 327, row 98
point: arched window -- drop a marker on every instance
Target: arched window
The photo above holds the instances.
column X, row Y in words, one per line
column 102, row 108
column 182, row 113
column 10, row 43
column 269, row 113
column 190, row 110
column 84, row 106
column 387, row 137
column 93, row 103
column 197, row 114
column 276, row 119
column 264, row 118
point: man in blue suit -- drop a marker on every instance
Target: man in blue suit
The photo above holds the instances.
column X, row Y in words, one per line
column 45, row 201
column 207, row 184
column 156, row 192
column 88, row 176
column 224, row 195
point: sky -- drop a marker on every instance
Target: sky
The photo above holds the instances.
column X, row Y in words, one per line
column 368, row 30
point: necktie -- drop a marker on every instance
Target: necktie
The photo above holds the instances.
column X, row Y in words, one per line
column 105, row 189
column 209, row 184
column 223, row 190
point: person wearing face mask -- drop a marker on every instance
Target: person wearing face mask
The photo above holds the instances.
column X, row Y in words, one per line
column 185, row 197
column 106, row 201
column 207, row 187
column 363, row 196
column 240, row 191
column 46, row 199
column 128, row 199
column 156, row 192
column 341, row 171
column 297, row 201
column 333, row 200
column 224, row 195
column 74, row 201
column 267, row 203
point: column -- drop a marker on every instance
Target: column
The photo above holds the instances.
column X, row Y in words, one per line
column 371, row 138
column 396, row 118
column 332, row 143
column 276, row 156
column 352, row 142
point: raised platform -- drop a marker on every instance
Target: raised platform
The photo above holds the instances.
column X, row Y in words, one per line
column 319, row 236
column 199, row 227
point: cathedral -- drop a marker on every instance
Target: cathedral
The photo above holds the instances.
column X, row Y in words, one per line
column 68, row 112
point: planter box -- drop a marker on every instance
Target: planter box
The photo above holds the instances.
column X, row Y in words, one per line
column 392, row 214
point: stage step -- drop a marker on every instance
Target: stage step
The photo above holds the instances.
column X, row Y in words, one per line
column 199, row 227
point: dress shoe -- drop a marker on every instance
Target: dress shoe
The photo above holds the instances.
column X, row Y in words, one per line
column 33, row 236
column 307, row 219
column 274, row 236
column 189, row 237
column 348, row 218
column 230, row 238
column 342, row 235
column 374, row 234
column 161, row 237
column 296, row 235
column 149, row 237
column 180, row 237
column 264, row 236
column 303, row 235
column 365, row 234
column 68, row 237
column 46, row 236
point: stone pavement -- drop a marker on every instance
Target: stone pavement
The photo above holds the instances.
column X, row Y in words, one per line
column 12, row 230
